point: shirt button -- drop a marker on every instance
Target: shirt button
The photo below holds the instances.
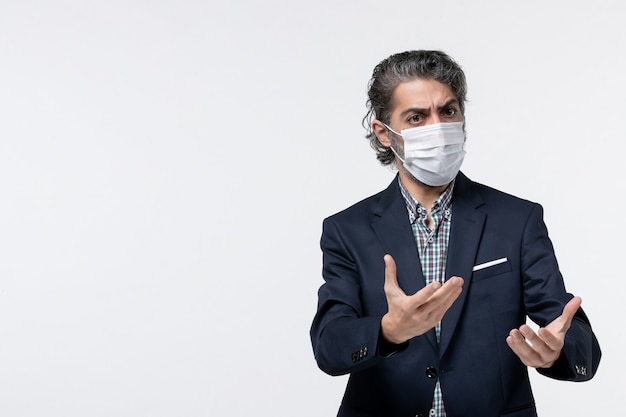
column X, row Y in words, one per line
column 430, row 239
column 431, row 372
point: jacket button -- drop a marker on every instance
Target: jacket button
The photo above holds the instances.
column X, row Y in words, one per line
column 431, row 372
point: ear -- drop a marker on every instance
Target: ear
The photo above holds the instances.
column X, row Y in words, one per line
column 381, row 133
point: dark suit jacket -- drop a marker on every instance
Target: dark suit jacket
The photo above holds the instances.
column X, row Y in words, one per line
column 480, row 375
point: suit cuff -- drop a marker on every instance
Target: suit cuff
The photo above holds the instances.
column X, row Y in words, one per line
column 387, row 349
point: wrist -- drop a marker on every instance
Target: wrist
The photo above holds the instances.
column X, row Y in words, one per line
column 387, row 348
column 387, row 333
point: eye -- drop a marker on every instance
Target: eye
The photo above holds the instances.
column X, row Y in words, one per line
column 449, row 112
column 416, row 118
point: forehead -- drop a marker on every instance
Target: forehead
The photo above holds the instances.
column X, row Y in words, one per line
column 421, row 93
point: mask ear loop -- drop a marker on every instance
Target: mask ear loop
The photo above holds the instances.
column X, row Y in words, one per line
column 392, row 147
column 388, row 128
column 396, row 154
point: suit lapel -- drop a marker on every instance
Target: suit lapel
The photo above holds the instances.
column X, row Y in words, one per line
column 392, row 227
column 465, row 235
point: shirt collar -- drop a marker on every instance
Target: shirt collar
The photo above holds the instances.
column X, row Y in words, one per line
column 416, row 210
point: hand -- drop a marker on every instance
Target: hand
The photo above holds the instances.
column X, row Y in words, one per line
column 414, row 315
column 542, row 349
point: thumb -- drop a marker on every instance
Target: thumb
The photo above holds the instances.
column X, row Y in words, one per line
column 570, row 309
column 391, row 281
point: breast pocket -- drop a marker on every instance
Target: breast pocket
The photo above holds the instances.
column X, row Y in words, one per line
column 489, row 269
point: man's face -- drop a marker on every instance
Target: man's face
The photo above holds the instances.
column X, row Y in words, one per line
column 419, row 102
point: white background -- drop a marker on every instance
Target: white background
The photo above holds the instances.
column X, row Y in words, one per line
column 166, row 166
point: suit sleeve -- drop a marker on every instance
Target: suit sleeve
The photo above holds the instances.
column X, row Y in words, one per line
column 545, row 296
column 344, row 339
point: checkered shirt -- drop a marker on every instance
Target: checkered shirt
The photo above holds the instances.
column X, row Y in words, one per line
column 432, row 245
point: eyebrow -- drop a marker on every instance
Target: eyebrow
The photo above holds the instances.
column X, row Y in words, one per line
column 425, row 110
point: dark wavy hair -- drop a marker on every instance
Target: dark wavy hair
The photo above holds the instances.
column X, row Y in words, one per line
column 403, row 67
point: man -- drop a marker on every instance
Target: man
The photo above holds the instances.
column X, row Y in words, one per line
column 428, row 283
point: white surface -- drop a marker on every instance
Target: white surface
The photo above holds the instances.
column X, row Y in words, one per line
column 166, row 166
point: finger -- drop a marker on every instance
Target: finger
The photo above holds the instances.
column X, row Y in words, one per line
column 517, row 343
column 519, row 346
column 551, row 340
column 570, row 310
column 538, row 350
column 559, row 326
column 437, row 297
column 455, row 281
column 448, row 293
column 543, row 342
column 391, row 281
column 422, row 296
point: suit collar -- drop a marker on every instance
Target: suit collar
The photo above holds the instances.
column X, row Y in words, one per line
column 391, row 225
column 465, row 235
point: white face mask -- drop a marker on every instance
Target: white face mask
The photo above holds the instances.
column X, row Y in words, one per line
column 433, row 154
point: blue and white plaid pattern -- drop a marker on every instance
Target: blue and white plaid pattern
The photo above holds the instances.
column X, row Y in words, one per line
column 432, row 245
